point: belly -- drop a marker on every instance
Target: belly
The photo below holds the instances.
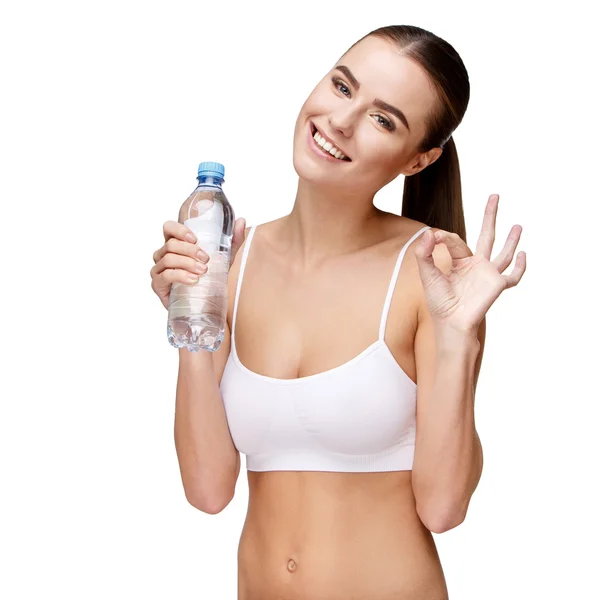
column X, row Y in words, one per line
column 340, row 536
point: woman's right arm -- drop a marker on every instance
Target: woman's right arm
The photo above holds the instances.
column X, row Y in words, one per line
column 209, row 462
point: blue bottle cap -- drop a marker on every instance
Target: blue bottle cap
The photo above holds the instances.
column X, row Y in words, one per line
column 212, row 169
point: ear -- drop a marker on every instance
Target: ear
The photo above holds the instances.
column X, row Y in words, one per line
column 421, row 161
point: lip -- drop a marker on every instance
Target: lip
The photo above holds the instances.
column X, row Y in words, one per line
column 318, row 150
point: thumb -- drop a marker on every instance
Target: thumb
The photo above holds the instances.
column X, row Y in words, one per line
column 239, row 229
column 424, row 256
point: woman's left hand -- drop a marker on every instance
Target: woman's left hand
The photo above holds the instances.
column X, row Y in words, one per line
column 460, row 299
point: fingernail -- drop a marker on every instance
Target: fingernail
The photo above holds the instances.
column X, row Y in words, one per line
column 190, row 237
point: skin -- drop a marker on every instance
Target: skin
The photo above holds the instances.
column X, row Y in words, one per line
column 347, row 535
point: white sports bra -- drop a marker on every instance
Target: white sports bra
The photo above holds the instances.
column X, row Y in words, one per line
column 358, row 417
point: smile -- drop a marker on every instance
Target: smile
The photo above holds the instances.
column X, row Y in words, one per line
column 324, row 147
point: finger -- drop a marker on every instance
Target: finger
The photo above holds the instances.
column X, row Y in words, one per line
column 179, row 231
column 506, row 255
column 242, row 229
column 424, row 256
column 456, row 246
column 175, row 246
column 515, row 275
column 239, row 228
column 485, row 243
column 170, row 276
column 176, row 261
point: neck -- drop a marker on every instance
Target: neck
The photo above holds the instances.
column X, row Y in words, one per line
column 325, row 223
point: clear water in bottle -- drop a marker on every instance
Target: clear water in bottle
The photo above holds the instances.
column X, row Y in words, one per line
column 198, row 311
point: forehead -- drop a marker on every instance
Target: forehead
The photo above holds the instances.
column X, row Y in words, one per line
column 384, row 73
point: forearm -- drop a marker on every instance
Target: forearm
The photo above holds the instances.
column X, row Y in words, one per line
column 448, row 457
column 208, row 459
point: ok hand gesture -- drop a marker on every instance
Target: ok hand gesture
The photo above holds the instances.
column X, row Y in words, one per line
column 461, row 298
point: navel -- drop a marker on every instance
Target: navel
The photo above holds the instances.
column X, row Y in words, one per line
column 291, row 565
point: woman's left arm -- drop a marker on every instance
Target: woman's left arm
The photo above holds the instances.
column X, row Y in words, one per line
column 448, row 455
column 458, row 289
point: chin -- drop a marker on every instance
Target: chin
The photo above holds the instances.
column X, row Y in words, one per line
column 309, row 168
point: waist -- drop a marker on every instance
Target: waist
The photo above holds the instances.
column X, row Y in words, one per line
column 313, row 534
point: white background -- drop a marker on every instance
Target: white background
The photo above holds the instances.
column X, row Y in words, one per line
column 107, row 109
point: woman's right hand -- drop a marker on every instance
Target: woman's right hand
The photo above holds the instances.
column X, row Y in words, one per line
column 181, row 260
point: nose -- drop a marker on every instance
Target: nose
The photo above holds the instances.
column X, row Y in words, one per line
column 342, row 120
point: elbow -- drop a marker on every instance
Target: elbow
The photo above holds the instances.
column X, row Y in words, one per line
column 443, row 525
column 211, row 500
column 440, row 521
column 210, row 506
column 215, row 501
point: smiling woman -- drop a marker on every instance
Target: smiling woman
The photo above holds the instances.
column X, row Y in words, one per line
column 349, row 365
column 431, row 86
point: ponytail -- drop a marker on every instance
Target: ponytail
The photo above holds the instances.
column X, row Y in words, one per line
column 434, row 196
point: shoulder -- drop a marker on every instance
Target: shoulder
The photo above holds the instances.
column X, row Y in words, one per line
column 440, row 254
column 403, row 230
column 413, row 299
column 235, row 264
column 266, row 228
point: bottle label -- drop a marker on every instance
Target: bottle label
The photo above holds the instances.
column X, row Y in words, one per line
column 207, row 232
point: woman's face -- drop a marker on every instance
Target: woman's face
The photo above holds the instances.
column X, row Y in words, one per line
column 363, row 106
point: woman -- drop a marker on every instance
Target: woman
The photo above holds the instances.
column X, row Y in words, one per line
column 351, row 466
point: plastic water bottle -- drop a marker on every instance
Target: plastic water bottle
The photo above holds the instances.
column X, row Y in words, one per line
column 198, row 311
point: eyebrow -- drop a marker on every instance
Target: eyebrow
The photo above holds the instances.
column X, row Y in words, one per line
column 377, row 102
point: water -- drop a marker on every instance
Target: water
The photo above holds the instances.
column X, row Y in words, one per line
column 198, row 311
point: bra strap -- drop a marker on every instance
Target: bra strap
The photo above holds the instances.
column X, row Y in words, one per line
column 392, row 286
column 247, row 244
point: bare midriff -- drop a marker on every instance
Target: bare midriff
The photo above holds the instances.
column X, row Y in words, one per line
column 336, row 536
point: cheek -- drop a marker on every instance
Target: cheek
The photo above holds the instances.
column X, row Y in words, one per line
column 319, row 102
column 376, row 147
column 305, row 111
column 381, row 155
column 386, row 149
column 314, row 105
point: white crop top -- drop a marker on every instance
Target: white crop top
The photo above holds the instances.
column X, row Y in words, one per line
column 358, row 417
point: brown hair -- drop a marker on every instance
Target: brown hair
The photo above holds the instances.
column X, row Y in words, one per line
column 434, row 196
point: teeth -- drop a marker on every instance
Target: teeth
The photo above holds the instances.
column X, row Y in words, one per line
column 328, row 147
